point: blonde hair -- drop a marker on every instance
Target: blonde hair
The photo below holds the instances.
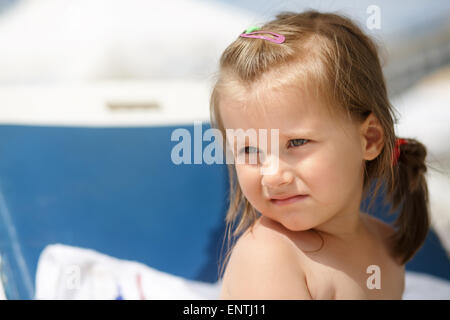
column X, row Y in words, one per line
column 330, row 55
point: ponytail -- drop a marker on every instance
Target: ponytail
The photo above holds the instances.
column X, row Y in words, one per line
column 409, row 189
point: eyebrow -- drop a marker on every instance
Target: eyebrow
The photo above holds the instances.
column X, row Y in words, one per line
column 299, row 133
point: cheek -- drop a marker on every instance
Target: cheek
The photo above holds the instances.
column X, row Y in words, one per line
column 249, row 181
column 331, row 174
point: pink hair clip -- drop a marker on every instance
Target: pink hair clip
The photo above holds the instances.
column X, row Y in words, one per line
column 278, row 37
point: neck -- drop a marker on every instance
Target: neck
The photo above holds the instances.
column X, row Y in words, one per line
column 345, row 226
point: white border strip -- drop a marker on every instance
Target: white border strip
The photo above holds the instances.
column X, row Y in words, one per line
column 105, row 104
column 2, row 291
column 17, row 250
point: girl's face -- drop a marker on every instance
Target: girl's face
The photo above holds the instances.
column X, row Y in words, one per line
column 319, row 157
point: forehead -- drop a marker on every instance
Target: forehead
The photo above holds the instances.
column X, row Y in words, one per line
column 284, row 108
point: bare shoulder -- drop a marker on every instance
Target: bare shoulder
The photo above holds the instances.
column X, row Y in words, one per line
column 264, row 265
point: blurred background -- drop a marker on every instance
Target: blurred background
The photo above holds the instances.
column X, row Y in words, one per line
column 91, row 90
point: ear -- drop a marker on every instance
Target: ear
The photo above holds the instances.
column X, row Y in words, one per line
column 372, row 137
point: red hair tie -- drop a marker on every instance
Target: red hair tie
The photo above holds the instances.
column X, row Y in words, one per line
column 396, row 154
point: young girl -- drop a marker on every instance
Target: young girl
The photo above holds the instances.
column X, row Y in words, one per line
column 317, row 79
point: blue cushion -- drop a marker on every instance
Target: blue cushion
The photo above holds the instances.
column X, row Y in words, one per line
column 114, row 190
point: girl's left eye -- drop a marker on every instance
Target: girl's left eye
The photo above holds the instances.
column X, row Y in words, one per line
column 249, row 149
column 297, row 142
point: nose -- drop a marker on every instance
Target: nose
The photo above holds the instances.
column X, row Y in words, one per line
column 282, row 176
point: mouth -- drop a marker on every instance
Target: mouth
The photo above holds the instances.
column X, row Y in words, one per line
column 288, row 200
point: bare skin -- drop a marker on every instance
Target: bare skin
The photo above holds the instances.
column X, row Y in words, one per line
column 334, row 269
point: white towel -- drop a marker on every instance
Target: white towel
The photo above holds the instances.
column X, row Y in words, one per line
column 66, row 272
column 425, row 287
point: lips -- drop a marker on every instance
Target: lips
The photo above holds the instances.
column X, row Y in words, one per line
column 283, row 197
column 285, row 200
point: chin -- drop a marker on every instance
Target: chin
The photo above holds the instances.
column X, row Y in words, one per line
column 294, row 224
column 297, row 227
